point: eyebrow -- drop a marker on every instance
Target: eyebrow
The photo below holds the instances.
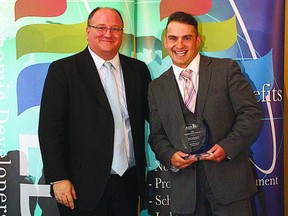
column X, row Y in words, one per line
column 169, row 36
column 102, row 24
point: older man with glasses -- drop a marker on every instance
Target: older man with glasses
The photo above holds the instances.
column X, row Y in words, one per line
column 91, row 127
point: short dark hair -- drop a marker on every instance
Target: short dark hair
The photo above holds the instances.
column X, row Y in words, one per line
column 98, row 8
column 183, row 17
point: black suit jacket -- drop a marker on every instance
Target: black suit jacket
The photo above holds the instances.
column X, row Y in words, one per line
column 226, row 102
column 76, row 127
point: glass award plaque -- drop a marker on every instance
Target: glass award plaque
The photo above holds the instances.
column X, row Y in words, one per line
column 197, row 137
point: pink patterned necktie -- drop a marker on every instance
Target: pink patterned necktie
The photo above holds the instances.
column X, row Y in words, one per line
column 189, row 90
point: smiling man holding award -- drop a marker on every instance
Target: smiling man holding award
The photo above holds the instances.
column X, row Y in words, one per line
column 203, row 117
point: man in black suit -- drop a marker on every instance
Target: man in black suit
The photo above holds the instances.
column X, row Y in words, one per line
column 205, row 144
column 77, row 126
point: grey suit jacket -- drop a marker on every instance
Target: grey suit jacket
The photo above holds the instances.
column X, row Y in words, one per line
column 225, row 100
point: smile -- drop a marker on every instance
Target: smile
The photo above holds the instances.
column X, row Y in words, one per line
column 180, row 53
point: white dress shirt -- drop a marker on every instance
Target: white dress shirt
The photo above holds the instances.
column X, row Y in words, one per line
column 117, row 70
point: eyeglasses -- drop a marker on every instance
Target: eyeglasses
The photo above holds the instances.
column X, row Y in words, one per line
column 103, row 29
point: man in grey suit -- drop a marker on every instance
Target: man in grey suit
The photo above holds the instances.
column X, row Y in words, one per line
column 217, row 180
column 82, row 122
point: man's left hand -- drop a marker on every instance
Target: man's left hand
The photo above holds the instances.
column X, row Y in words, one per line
column 217, row 153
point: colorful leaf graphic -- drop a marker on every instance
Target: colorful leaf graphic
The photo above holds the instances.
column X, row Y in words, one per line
column 50, row 38
column 217, row 36
column 30, row 85
column 195, row 7
column 40, row 8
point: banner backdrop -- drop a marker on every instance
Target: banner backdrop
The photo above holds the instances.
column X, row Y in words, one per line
column 33, row 33
column 251, row 32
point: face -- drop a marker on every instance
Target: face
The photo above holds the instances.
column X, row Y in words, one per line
column 105, row 44
column 182, row 43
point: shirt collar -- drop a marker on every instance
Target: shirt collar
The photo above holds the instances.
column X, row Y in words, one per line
column 99, row 61
column 194, row 66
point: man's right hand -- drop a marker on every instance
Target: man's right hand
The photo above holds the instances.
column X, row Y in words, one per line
column 64, row 193
column 180, row 160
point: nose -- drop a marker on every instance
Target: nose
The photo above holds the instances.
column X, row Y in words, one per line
column 108, row 32
column 179, row 43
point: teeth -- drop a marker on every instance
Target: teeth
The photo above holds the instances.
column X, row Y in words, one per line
column 180, row 53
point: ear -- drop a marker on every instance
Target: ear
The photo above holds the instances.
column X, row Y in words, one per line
column 199, row 40
column 87, row 32
column 165, row 41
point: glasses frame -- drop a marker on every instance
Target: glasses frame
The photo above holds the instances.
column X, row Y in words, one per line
column 104, row 29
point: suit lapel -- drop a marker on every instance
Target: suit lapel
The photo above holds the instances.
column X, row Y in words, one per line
column 90, row 75
column 204, row 81
column 171, row 93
